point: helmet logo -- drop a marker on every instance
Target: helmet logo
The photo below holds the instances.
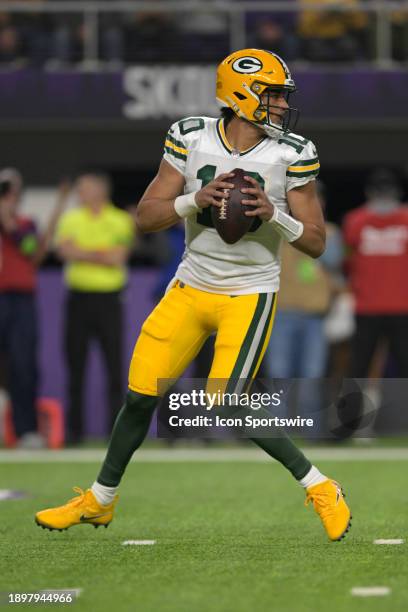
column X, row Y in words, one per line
column 247, row 65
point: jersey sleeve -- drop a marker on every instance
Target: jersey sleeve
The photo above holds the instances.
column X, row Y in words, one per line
column 304, row 168
column 175, row 148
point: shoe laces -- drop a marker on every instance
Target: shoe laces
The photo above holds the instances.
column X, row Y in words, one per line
column 322, row 503
column 75, row 501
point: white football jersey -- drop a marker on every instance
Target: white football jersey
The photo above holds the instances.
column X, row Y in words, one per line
column 198, row 148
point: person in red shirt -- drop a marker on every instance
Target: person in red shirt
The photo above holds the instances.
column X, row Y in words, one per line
column 21, row 251
column 377, row 236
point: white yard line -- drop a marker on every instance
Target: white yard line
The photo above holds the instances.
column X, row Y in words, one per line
column 390, row 542
column 373, row 591
column 138, row 542
column 175, row 455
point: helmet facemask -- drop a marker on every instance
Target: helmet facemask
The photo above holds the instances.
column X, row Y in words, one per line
column 265, row 118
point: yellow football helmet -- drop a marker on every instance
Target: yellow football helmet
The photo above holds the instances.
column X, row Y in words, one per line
column 243, row 79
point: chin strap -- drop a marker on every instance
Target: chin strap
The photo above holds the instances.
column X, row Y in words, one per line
column 273, row 132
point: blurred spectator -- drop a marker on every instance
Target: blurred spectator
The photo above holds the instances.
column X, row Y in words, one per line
column 333, row 34
column 11, row 46
column 21, row 251
column 151, row 37
column 339, row 327
column 68, row 39
column 26, row 35
column 271, row 33
column 399, row 28
column 112, row 39
column 330, row 35
column 204, row 32
column 71, row 33
column 94, row 240
column 298, row 346
column 37, row 30
column 377, row 236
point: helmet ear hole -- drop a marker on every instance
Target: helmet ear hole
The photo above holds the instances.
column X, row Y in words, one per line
column 239, row 95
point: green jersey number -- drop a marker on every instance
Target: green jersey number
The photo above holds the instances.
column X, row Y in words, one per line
column 206, row 174
column 192, row 124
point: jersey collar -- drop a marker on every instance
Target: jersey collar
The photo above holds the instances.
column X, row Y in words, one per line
column 226, row 145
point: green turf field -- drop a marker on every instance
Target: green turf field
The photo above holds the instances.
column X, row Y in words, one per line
column 230, row 537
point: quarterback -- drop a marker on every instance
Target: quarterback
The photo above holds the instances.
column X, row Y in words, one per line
column 227, row 289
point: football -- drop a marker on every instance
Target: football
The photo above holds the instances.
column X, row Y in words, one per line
column 230, row 220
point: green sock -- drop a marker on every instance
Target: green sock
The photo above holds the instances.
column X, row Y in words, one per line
column 283, row 450
column 130, row 429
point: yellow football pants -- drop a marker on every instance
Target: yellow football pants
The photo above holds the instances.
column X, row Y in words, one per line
column 177, row 328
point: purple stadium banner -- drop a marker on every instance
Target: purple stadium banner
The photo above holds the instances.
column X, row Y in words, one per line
column 162, row 92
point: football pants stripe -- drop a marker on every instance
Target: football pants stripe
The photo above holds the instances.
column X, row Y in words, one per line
column 265, row 338
column 254, row 338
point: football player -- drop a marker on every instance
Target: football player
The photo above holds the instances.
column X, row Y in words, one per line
column 219, row 287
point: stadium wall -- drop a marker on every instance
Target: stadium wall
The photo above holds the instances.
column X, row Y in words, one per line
column 120, row 118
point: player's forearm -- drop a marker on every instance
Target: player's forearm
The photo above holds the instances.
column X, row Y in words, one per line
column 116, row 256
column 109, row 258
column 306, row 210
column 312, row 242
column 47, row 237
column 154, row 215
column 70, row 252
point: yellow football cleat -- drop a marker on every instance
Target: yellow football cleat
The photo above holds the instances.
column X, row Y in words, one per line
column 328, row 501
column 80, row 510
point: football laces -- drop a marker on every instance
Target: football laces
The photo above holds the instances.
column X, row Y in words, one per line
column 223, row 208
